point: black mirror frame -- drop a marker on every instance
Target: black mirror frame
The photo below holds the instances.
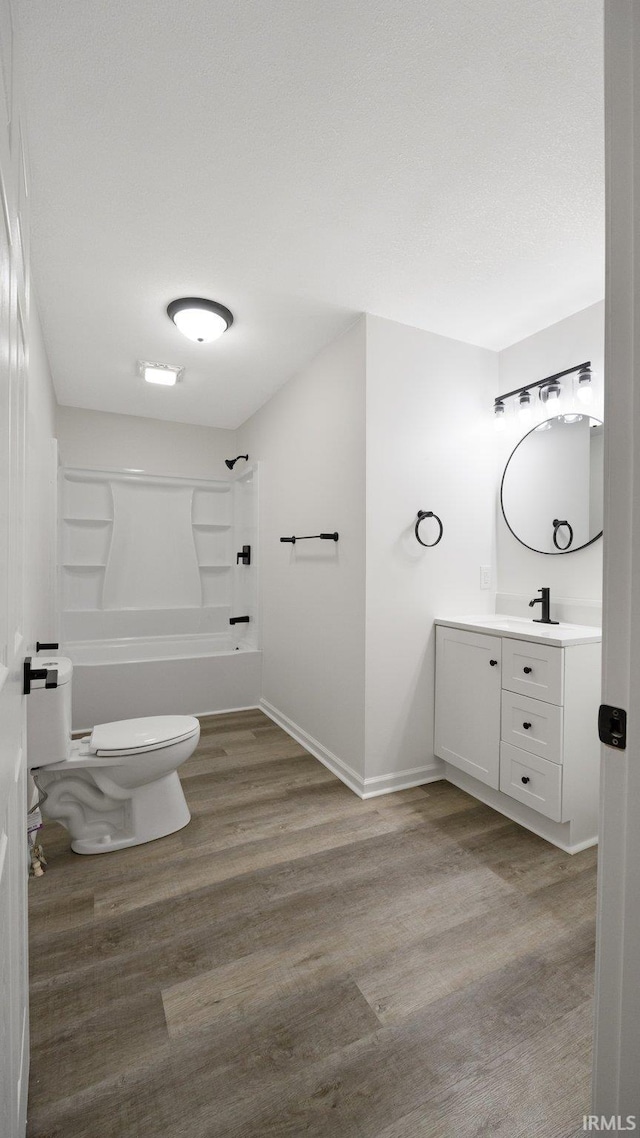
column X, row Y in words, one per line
column 543, row 552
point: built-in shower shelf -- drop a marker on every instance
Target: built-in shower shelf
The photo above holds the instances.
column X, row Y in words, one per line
column 84, row 564
column 89, row 521
column 211, row 525
column 215, row 565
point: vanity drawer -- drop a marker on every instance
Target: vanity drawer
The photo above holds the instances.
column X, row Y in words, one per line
column 532, row 725
column 533, row 669
column 534, row 781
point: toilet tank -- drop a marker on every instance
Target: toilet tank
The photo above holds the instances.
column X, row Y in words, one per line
column 49, row 714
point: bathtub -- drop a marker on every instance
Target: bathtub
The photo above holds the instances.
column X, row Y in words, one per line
column 198, row 674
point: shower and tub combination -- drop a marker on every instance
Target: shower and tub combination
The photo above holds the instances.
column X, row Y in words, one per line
column 158, row 593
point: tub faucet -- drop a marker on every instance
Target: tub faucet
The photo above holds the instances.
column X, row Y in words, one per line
column 545, row 600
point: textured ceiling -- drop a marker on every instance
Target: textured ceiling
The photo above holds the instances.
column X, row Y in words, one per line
column 438, row 162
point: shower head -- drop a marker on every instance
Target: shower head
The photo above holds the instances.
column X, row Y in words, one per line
column 230, row 462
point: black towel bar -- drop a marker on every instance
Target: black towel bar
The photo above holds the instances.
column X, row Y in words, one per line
column 311, row 536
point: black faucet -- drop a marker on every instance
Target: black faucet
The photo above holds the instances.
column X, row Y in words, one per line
column 545, row 600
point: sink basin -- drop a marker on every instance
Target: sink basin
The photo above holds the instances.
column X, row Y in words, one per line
column 519, row 628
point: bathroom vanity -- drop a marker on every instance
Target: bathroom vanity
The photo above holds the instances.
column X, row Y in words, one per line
column 516, row 721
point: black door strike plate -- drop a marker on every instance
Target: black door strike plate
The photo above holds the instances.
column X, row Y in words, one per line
column 612, row 726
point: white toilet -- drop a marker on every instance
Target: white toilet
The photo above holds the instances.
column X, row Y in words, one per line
column 116, row 787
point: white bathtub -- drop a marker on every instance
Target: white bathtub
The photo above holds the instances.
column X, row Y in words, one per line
column 162, row 675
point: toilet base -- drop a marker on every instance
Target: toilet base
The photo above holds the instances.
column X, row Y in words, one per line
column 152, row 811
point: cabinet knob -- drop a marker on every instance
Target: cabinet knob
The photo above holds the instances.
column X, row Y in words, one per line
column 493, row 663
column 526, row 726
column 527, row 671
column 526, row 779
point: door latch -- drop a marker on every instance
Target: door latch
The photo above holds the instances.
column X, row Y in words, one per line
column 612, row 726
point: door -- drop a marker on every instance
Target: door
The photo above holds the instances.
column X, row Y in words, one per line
column 617, row 1041
column 14, row 1035
column 467, row 732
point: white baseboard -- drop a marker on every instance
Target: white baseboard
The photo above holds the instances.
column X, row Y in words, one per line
column 401, row 780
column 363, row 787
column 227, row 711
column 344, row 772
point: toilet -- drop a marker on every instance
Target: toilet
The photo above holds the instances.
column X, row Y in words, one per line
column 116, row 787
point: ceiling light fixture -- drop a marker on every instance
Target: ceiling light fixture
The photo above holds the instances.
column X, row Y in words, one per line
column 165, row 374
column 199, row 320
column 549, row 389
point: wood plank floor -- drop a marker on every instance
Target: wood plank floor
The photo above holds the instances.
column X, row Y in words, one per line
column 298, row 962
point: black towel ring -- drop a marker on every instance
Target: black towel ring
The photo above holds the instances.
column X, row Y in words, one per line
column 428, row 514
column 556, row 526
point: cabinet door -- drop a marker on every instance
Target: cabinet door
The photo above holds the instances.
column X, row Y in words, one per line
column 467, row 733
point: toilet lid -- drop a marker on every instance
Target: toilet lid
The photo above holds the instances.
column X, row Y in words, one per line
column 132, row 736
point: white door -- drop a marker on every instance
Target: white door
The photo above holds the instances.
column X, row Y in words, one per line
column 617, row 1051
column 14, row 1035
column 467, row 731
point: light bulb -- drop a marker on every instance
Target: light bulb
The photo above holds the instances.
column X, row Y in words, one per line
column 551, row 393
column 584, row 387
column 499, row 410
column 525, row 408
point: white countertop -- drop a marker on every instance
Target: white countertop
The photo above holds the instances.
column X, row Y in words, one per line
column 519, row 628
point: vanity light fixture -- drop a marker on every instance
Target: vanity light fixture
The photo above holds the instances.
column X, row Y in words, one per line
column 549, row 390
column 165, row 374
column 198, row 319
column 499, row 410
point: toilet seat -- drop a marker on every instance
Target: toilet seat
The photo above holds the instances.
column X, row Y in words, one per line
column 137, row 736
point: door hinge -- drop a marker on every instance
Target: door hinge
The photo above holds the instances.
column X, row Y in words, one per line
column 612, row 726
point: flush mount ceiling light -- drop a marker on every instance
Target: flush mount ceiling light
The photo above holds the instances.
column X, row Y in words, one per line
column 164, row 374
column 199, row 320
column 549, row 389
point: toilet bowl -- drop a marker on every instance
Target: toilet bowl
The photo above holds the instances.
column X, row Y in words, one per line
column 116, row 787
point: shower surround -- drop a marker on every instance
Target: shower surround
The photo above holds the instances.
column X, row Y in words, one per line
column 149, row 579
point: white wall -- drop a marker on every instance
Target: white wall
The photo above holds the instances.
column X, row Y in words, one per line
column 310, row 442
column 575, row 579
column 41, row 463
column 99, row 440
column 430, row 446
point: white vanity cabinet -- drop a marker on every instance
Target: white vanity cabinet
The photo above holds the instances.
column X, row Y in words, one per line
column 468, row 703
column 516, row 722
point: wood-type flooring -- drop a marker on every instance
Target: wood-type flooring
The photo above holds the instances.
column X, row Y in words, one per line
column 296, row 962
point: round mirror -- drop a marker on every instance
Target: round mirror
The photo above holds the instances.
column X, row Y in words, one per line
column 552, row 486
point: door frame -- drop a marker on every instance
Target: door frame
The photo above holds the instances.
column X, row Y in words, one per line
column 616, row 1080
